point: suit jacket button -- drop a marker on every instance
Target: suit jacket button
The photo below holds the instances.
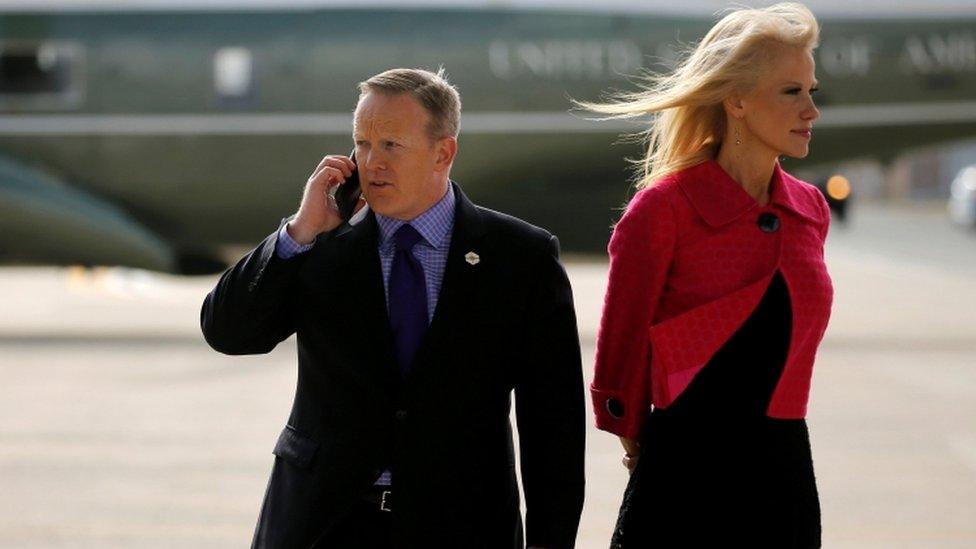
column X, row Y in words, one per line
column 400, row 415
column 615, row 408
column 768, row 222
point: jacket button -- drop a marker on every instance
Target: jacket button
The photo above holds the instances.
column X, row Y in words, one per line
column 615, row 408
column 400, row 415
column 768, row 222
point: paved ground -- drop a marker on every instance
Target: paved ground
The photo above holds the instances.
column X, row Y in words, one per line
column 119, row 427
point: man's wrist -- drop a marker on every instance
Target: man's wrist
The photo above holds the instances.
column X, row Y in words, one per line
column 302, row 236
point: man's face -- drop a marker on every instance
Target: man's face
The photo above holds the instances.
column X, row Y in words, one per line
column 402, row 171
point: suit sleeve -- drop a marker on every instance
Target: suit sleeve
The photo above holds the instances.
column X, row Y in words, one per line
column 641, row 250
column 249, row 311
column 550, row 411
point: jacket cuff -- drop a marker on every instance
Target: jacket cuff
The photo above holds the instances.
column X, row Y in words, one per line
column 615, row 414
column 286, row 247
column 272, row 268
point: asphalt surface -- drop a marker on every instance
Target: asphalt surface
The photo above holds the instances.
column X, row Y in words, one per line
column 119, row 427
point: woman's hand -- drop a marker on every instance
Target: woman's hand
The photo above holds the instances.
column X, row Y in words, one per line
column 632, row 451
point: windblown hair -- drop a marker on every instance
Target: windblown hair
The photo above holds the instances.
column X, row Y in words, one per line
column 690, row 122
column 439, row 97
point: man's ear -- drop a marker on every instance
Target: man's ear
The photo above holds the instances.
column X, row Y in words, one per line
column 446, row 152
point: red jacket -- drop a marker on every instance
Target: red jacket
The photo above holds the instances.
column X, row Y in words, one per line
column 689, row 261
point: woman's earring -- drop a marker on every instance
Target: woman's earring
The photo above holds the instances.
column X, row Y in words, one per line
column 737, row 140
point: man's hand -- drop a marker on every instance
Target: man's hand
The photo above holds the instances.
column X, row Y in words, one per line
column 632, row 451
column 318, row 212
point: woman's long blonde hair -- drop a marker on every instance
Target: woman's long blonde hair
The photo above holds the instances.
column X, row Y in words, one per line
column 690, row 122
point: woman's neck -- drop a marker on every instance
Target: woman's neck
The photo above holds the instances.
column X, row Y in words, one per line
column 751, row 168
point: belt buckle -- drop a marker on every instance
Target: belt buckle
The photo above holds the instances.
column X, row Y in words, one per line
column 385, row 502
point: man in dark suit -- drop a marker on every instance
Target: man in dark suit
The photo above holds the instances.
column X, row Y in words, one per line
column 415, row 321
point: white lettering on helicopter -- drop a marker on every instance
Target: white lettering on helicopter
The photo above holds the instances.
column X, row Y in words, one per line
column 953, row 52
column 572, row 59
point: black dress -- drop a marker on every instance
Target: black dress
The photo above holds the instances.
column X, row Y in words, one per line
column 714, row 470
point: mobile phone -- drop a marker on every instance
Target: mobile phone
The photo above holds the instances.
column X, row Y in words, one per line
column 347, row 194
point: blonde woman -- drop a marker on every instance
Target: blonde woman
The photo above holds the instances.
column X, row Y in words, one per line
column 718, row 296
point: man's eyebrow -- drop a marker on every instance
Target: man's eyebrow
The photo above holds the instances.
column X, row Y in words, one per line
column 386, row 136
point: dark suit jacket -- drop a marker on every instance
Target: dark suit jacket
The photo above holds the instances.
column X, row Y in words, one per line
column 506, row 322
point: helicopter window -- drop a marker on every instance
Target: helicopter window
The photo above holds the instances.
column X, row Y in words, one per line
column 39, row 74
column 233, row 74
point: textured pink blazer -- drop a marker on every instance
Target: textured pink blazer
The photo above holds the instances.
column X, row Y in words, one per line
column 689, row 261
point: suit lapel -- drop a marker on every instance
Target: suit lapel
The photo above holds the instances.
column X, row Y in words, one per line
column 349, row 260
column 461, row 279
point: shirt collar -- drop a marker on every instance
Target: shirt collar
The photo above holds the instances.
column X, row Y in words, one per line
column 433, row 224
column 719, row 199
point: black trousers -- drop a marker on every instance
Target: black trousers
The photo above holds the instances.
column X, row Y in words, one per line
column 363, row 526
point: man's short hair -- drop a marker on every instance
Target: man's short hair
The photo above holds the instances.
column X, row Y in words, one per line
column 438, row 96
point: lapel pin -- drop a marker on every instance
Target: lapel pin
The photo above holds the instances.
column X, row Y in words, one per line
column 472, row 258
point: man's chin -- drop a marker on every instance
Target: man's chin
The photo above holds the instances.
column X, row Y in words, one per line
column 377, row 202
column 384, row 208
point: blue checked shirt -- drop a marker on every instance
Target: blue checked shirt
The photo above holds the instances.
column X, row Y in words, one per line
column 434, row 225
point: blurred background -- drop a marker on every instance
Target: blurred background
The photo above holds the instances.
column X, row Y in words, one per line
column 145, row 145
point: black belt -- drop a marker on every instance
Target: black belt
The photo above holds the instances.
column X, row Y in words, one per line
column 381, row 497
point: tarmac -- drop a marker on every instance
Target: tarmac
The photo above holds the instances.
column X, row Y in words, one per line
column 120, row 427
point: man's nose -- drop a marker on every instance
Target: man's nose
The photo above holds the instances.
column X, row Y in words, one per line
column 374, row 160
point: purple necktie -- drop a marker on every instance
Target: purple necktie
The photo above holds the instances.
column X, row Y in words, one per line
column 408, row 298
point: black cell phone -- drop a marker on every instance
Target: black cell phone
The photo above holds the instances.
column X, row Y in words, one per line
column 348, row 193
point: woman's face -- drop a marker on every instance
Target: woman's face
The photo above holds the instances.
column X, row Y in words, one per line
column 779, row 112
